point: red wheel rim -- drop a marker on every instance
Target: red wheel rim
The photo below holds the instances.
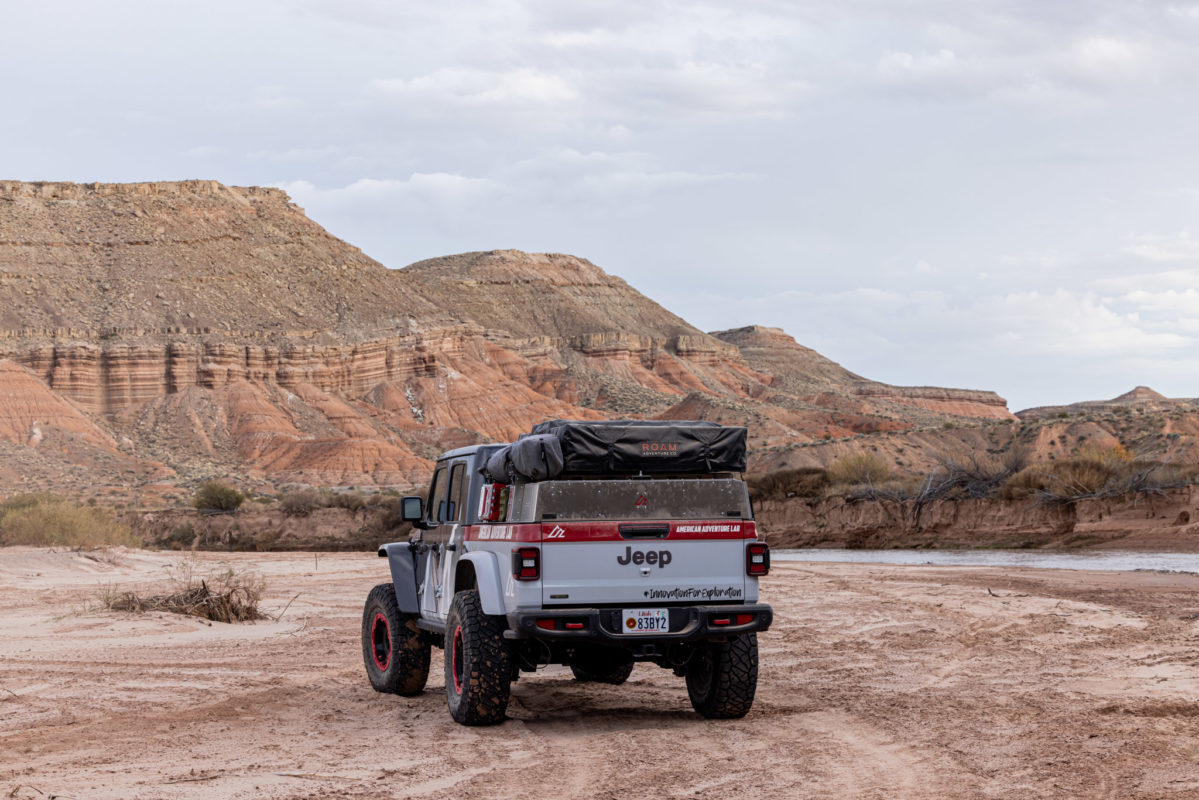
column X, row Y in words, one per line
column 456, row 659
column 381, row 642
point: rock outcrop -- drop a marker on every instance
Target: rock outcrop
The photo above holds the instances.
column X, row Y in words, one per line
column 1141, row 399
column 156, row 334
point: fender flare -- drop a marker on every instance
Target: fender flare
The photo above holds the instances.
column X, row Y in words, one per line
column 487, row 575
column 402, row 561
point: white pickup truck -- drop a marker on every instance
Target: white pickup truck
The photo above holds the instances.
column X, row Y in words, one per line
column 569, row 562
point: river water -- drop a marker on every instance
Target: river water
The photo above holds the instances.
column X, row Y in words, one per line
column 1111, row 560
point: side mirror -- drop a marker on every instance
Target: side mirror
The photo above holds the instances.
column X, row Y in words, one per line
column 412, row 510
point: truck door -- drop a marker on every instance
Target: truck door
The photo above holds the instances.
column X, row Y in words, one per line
column 445, row 516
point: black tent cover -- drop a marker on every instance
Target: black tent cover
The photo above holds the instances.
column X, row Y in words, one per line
column 622, row 447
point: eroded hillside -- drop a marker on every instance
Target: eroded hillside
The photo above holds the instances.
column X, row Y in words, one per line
column 153, row 335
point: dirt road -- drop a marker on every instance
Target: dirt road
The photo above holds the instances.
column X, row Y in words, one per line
column 877, row 682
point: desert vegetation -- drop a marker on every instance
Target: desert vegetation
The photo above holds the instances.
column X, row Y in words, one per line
column 214, row 496
column 224, row 595
column 49, row 521
column 1092, row 473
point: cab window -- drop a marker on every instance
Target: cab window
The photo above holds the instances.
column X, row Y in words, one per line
column 457, row 494
column 437, row 496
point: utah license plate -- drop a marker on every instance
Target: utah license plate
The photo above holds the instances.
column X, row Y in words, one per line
column 646, row 620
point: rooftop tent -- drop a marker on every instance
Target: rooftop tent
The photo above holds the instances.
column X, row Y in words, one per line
column 619, row 447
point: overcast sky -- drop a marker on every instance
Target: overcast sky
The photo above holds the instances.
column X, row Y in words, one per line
column 994, row 195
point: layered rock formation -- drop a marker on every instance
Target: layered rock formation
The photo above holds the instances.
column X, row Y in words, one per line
column 1141, row 399
column 152, row 335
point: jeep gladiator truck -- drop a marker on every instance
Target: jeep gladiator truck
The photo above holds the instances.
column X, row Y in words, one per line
column 590, row 544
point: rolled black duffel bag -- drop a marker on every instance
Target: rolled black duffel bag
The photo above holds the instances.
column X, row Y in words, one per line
column 530, row 458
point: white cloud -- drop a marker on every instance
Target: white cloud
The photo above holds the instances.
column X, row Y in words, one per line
column 1176, row 279
column 1179, row 305
column 900, row 66
column 205, row 151
column 522, row 96
column 1103, row 61
column 567, row 173
column 1177, row 248
column 443, row 191
column 298, row 154
column 1190, row 12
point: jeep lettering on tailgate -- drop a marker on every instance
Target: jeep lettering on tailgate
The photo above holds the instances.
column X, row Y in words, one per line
column 659, row 557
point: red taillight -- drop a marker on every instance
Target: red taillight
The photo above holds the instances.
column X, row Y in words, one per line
column 526, row 563
column 720, row 621
column 757, row 559
column 491, row 502
column 545, row 624
column 745, row 619
column 574, row 626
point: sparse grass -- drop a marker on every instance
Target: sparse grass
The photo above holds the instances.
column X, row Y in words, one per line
column 784, row 483
column 222, row 596
column 303, row 502
column 47, row 521
column 858, row 469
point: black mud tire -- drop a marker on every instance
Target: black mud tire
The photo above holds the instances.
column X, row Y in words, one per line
column 722, row 677
column 478, row 663
column 602, row 665
column 396, row 652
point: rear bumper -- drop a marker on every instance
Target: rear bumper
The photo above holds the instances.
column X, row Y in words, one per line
column 603, row 625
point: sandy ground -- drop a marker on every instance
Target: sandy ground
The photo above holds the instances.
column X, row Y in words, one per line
column 877, row 682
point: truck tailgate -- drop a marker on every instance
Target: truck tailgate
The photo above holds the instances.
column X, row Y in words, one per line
column 591, row 564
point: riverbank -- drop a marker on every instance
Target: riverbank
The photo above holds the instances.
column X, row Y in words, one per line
column 1159, row 521
column 1166, row 522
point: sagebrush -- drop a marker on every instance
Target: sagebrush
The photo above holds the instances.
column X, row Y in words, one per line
column 217, row 496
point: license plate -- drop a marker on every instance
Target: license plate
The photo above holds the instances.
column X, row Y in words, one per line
column 646, row 620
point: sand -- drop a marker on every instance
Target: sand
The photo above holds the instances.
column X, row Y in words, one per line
column 876, row 682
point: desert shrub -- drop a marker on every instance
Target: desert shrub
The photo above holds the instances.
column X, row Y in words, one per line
column 21, row 501
column 52, row 522
column 859, row 468
column 181, row 536
column 784, row 483
column 1115, row 456
column 350, row 501
column 1063, row 479
column 971, row 474
column 217, row 496
column 303, row 502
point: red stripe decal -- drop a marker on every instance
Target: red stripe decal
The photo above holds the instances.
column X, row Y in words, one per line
column 503, row 533
column 610, row 531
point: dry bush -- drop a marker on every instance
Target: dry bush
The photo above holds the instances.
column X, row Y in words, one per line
column 225, row 596
column 859, row 468
column 1114, row 457
column 784, row 483
column 20, row 501
column 303, row 502
column 1059, row 480
column 47, row 521
column 351, row 501
column 1100, row 472
column 217, row 496
column 971, row 474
